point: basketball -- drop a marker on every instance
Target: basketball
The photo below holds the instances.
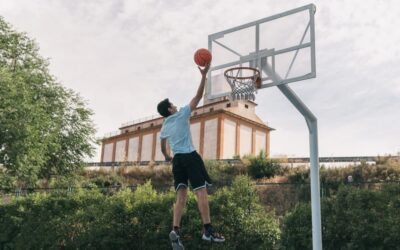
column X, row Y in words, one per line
column 202, row 57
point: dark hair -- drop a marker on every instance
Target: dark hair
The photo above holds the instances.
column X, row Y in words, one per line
column 163, row 106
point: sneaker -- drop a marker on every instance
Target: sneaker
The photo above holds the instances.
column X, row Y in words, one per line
column 211, row 235
column 175, row 241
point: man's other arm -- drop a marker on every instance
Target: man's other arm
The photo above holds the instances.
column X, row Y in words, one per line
column 164, row 150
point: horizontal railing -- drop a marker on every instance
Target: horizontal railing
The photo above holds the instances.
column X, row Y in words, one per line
column 333, row 159
column 233, row 161
column 324, row 185
column 144, row 163
column 143, row 119
column 111, row 134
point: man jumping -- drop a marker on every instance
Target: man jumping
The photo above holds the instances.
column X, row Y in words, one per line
column 187, row 164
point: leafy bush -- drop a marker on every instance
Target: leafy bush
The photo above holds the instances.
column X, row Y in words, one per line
column 282, row 198
column 296, row 233
column 159, row 175
column 102, row 180
column 242, row 218
column 223, row 173
column 298, row 175
column 88, row 219
column 353, row 219
column 261, row 167
column 7, row 182
column 360, row 173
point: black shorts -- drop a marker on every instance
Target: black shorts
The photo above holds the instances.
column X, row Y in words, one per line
column 190, row 167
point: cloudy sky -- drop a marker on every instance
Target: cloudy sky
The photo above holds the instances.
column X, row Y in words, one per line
column 124, row 56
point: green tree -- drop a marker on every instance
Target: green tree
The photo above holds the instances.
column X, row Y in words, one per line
column 45, row 129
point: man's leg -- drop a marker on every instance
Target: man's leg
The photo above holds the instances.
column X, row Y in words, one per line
column 202, row 203
column 181, row 198
column 200, row 179
column 174, row 235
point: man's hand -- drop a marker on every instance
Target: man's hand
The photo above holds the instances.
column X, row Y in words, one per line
column 168, row 158
column 204, row 70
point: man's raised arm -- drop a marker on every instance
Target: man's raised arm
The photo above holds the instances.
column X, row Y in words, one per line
column 195, row 101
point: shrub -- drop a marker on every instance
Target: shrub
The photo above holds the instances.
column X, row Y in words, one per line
column 353, row 219
column 222, row 173
column 296, row 233
column 238, row 214
column 242, row 218
column 88, row 219
column 7, row 182
column 261, row 167
column 360, row 173
column 298, row 175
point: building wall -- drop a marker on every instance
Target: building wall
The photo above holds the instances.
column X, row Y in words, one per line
column 214, row 136
column 210, row 139
column 147, row 146
column 108, row 152
column 229, row 139
column 120, row 150
column 159, row 156
column 261, row 142
column 245, row 140
column 133, row 148
column 195, row 131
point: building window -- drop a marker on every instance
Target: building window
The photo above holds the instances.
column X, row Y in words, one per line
column 138, row 128
column 126, row 131
column 211, row 109
column 228, row 105
column 246, row 106
column 151, row 124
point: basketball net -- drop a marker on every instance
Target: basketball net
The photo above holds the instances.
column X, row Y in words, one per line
column 244, row 82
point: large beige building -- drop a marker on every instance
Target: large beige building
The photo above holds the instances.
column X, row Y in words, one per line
column 220, row 130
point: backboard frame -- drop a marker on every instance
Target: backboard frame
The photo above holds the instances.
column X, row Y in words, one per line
column 264, row 58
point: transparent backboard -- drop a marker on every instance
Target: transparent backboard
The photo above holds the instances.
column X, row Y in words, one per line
column 282, row 47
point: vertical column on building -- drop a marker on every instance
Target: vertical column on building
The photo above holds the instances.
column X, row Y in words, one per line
column 220, row 137
column 153, row 150
column 202, row 137
column 102, row 152
column 237, row 146
column 139, row 158
column 126, row 149
column 113, row 153
column 253, row 141
column 267, row 144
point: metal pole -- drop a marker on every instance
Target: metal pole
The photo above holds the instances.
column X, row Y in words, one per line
column 314, row 161
column 315, row 185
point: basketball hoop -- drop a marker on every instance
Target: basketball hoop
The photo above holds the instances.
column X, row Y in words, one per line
column 244, row 82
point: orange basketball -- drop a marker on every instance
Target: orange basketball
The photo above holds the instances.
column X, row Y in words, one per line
column 202, row 57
